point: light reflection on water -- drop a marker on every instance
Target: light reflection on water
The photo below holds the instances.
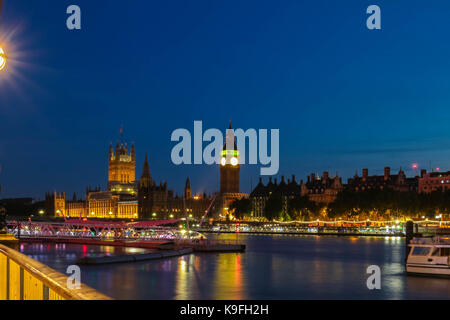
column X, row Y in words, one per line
column 273, row 267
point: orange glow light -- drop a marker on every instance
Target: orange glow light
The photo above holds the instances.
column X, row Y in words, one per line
column 2, row 59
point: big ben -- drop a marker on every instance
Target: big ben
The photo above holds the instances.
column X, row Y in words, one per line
column 229, row 165
column 230, row 169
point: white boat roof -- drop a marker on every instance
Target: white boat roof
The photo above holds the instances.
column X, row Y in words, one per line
column 435, row 241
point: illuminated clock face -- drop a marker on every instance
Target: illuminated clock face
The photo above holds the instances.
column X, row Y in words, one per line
column 2, row 59
column 234, row 161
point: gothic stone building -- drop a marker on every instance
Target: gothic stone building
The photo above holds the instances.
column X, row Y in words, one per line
column 433, row 181
column 127, row 198
column 157, row 201
column 397, row 182
column 322, row 190
column 262, row 193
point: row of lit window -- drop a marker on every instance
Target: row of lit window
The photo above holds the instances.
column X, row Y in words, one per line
column 437, row 181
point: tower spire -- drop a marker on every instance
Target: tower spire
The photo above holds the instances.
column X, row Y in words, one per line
column 187, row 189
column 146, row 169
column 146, row 178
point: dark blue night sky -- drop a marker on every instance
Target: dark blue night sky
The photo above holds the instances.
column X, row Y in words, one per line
column 343, row 97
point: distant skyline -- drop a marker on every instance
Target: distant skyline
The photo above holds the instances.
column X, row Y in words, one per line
column 344, row 97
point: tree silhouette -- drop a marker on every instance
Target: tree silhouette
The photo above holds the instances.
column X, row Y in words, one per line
column 273, row 208
column 241, row 207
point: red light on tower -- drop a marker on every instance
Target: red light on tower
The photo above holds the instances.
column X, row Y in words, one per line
column 415, row 166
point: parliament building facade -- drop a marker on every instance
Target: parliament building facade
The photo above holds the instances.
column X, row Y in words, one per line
column 127, row 197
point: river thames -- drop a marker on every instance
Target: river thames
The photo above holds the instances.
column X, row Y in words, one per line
column 273, row 267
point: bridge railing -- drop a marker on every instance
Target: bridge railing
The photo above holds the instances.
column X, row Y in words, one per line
column 83, row 230
column 23, row 278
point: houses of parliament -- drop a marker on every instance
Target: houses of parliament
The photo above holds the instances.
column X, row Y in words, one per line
column 126, row 197
column 129, row 198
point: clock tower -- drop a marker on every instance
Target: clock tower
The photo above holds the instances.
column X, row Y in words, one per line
column 230, row 168
column 229, row 165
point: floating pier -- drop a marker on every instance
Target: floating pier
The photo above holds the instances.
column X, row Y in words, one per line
column 211, row 245
column 149, row 244
column 134, row 257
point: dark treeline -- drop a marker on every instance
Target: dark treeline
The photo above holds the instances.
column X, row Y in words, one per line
column 371, row 204
column 388, row 204
column 241, row 208
column 21, row 206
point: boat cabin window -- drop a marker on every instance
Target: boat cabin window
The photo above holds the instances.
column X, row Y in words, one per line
column 445, row 252
column 435, row 252
column 421, row 251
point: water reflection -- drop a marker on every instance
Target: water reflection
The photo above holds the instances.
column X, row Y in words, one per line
column 228, row 280
column 182, row 289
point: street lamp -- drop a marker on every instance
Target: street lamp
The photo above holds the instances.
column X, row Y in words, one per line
column 2, row 59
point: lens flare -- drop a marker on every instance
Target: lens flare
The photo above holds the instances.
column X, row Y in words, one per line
column 2, row 59
column 18, row 54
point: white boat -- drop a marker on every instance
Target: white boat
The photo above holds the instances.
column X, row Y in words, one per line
column 429, row 256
